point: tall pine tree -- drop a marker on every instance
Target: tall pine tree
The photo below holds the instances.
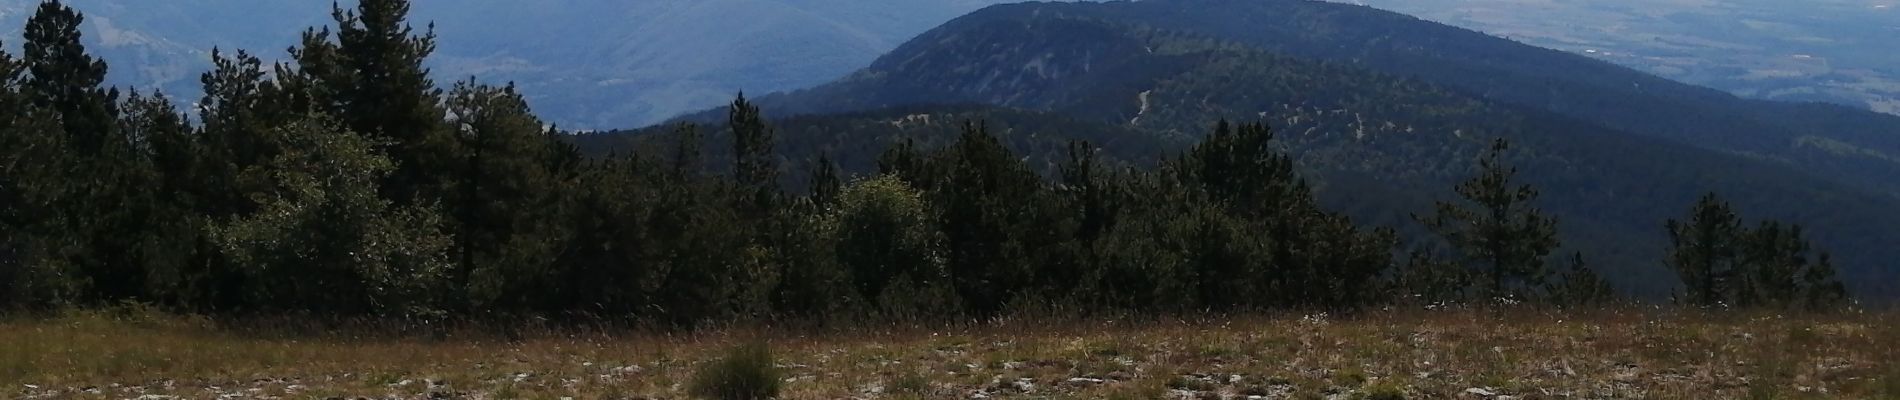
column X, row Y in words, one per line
column 1294, row 254
column 1722, row 263
column 1703, row 252
column 755, row 157
column 988, row 197
column 33, row 163
column 370, row 75
column 507, row 198
column 825, row 182
column 103, row 208
column 1497, row 229
column 172, row 225
column 68, row 81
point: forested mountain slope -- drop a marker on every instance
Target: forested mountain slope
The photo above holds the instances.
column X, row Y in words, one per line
column 1378, row 145
column 855, row 140
column 1859, row 147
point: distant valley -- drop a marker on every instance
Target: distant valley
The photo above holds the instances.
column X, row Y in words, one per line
column 1838, row 51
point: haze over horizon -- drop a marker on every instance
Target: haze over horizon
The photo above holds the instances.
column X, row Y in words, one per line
column 586, row 64
column 606, row 64
column 1835, row 51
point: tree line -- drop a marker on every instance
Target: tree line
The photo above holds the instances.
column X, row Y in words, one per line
column 345, row 182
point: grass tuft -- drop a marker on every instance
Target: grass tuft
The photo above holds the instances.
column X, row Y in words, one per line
column 746, row 372
column 1384, row 391
column 1350, row 377
column 911, row 383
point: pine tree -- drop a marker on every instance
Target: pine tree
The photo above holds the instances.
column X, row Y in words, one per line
column 1579, row 285
column 1498, row 230
column 507, row 198
column 906, row 161
column 1239, row 166
column 1148, row 261
column 825, row 183
column 1296, row 254
column 1089, row 193
column 759, row 200
column 1820, row 289
column 170, row 250
column 755, row 161
column 687, row 159
column 104, row 208
column 1770, row 266
column 1344, row 263
column 810, row 283
column 702, row 250
column 988, row 197
column 33, row 165
column 1426, row 279
column 1238, row 170
column 1703, row 251
column 240, row 112
column 667, row 242
column 370, row 76
column 603, row 264
column 1772, row 258
column 1087, row 207
column 69, row 82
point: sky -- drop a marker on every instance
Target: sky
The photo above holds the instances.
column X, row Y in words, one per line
column 586, row 64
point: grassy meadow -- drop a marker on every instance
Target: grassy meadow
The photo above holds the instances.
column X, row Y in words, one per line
column 1632, row 353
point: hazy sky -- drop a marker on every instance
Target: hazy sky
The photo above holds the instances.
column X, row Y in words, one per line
column 586, row 63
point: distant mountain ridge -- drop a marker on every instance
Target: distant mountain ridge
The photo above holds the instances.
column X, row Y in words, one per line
column 1854, row 146
column 586, row 64
column 1381, row 140
column 1857, row 147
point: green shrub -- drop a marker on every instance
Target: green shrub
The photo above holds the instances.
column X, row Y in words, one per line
column 1184, row 382
column 746, row 373
column 1803, row 335
column 1890, row 386
column 1384, row 391
column 1351, row 377
column 911, row 383
column 1152, row 388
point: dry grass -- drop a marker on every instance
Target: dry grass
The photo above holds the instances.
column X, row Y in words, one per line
column 1420, row 355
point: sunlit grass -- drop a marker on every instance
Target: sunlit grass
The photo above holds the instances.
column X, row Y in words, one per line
column 1440, row 354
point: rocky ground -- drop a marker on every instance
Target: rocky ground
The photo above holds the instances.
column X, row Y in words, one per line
column 1386, row 355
